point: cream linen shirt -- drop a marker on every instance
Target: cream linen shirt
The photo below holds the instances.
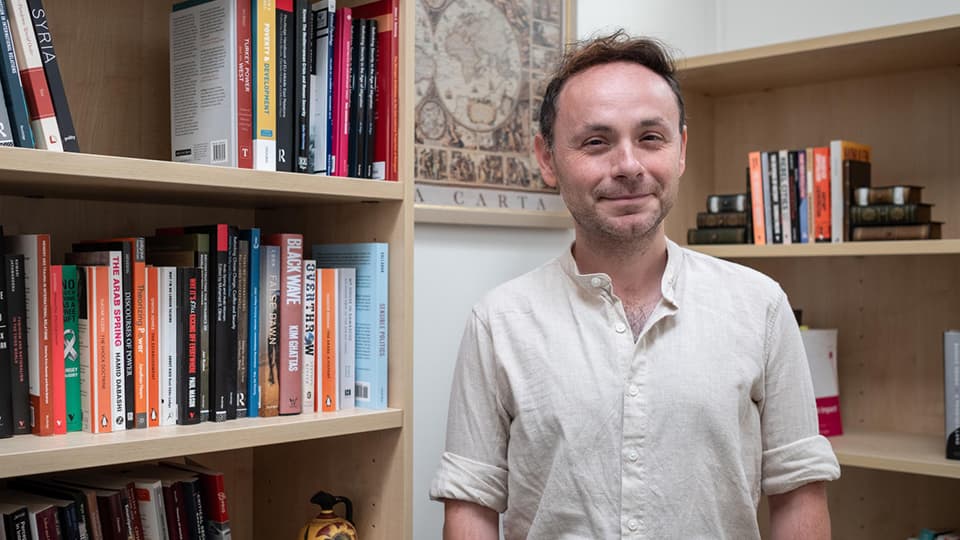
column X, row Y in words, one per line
column 571, row 428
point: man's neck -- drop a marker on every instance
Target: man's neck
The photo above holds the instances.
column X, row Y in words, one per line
column 636, row 270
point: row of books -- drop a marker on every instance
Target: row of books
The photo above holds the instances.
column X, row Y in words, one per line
column 34, row 112
column 164, row 501
column 824, row 194
column 288, row 85
column 192, row 324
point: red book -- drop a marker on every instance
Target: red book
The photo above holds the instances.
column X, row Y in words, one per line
column 244, row 88
column 821, row 194
column 291, row 319
column 340, row 137
column 387, row 106
column 57, row 371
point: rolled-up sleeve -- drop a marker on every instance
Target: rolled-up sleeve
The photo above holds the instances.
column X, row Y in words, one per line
column 473, row 467
column 794, row 453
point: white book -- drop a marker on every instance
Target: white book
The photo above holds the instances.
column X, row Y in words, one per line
column 786, row 194
column 167, row 334
column 43, row 118
column 203, row 82
column 308, row 361
column 346, row 306
column 152, row 509
column 323, row 17
column 821, row 349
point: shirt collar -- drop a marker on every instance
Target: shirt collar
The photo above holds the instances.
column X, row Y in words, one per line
column 597, row 282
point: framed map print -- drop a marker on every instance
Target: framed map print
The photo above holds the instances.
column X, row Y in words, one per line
column 481, row 69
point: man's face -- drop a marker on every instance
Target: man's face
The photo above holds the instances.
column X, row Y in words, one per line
column 618, row 150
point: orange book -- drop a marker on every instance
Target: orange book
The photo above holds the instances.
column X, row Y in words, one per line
column 153, row 346
column 94, row 331
column 327, row 329
column 821, row 194
column 756, row 199
column 58, row 376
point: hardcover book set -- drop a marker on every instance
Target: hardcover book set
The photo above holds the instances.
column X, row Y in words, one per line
column 192, row 324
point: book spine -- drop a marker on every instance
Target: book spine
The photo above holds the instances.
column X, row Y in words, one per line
column 822, row 206
column 756, row 199
column 951, row 392
column 169, row 338
column 138, row 297
column 724, row 235
column 244, row 86
column 187, row 369
column 43, row 118
column 320, row 25
column 71, row 351
column 840, row 152
column 303, row 31
column 332, row 106
column 233, row 320
column 784, row 179
column 866, row 196
column 269, row 359
column 101, row 357
column 6, row 361
column 51, row 68
column 207, row 332
column 253, row 323
column 19, row 342
column 291, row 320
column 153, row 346
column 706, row 220
column 308, row 371
column 369, row 107
column 242, row 341
column 6, row 128
column 328, row 379
column 890, row 214
column 920, row 231
column 358, row 87
column 803, row 222
column 342, row 98
column 84, row 346
column 119, row 388
column 285, row 70
column 218, row 299
column 12, row 87
column 265, row 79
column 57, row 371
column 347, row 330
column 149, row 506
column 391, row 104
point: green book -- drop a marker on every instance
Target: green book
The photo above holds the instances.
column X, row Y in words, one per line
column 71, row 345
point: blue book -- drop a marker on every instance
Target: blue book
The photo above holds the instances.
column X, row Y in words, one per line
column 12, row 89
column 370, row 259
column 803, row 208
column 253, row 322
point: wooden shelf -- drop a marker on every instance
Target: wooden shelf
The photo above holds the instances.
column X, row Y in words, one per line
column 903, row 47
column 845, row 249
column 41, row 173
column 30, row 454
column 897, row 452
column 426, row 213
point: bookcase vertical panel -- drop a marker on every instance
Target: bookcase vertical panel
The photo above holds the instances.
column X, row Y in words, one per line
column 911, row 119
column 891, row 313
column 367, row 468
column 114, row 58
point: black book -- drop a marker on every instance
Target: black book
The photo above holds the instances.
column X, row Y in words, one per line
column 48, row 488
column 51, row 68
column 357, row 99
column 12, row 88
column 16, row 521
column 6, row 130
column 191, row 250
column 794, row 172
column 82, row 253
column 16, row 316
column 286, row 60
column 243, row 301
column 188, row 376
column 193, row 503
column 6, row 361
column 370, row 101
column 301, row 91
column 233, row 314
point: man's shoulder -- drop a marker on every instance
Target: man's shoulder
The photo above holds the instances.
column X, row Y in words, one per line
column 524, row 291
column 712, row 271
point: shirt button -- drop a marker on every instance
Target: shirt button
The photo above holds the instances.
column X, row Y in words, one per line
column 596, row 282
column 634, row 455
column 634, row 390
column 620, row 328
column 633, row 525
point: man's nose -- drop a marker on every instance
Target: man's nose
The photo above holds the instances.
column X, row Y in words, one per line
column 627, row 161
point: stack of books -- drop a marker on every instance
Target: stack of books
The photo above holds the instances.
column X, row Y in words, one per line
column 726, row 221
column 891, row 213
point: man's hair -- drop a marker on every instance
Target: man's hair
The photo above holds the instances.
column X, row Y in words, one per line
column 616, row 47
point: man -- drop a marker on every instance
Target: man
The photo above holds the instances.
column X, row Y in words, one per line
column 630, row 388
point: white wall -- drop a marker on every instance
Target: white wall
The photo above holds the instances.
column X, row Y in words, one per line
column 454, row 266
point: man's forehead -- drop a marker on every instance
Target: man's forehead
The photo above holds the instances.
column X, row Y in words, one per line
column 617, row 83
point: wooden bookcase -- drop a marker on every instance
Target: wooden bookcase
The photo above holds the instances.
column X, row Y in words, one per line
column 895, row 88
column 114, row 61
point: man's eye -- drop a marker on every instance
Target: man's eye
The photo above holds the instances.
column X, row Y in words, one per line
column 652, row 137
column 594, row 142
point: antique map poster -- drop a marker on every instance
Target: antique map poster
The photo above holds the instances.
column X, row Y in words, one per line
column 481, row 68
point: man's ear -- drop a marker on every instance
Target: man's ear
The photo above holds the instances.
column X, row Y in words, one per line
column 683, row 150
column 545, row 160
